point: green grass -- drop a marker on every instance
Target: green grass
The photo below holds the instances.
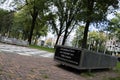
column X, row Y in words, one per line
column 117, row 78
column 118, row 65
column 42, row 48
column 117, row 68
column 45, row 76
column 87, row 74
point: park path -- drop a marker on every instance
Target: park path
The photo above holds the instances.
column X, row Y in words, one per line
column 24, row 51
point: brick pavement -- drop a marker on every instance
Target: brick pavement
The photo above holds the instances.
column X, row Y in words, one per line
column 19, row 67
column 24, row 51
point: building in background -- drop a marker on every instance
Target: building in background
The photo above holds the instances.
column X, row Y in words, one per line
column 113, row 45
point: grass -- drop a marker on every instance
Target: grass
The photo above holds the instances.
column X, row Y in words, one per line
column 45, row 76
column 117, row 78
column 87, row 74
column 42, row 48
column 118, row 65
column 111, row 78
column 117, row 68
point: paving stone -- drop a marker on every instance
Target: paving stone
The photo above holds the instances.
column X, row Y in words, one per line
column 24, row 50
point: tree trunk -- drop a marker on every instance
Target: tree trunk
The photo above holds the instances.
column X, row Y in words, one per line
column 59, row 34
column 89, row 19
column 66, row 31
column 84, row 42
column 64, row 39
column 31, row 31
column 65, row 36
column 32, row 28
column 57, row 40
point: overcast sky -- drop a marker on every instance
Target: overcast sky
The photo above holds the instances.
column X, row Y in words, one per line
column 6, row 5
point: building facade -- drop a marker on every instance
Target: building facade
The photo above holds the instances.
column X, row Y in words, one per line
column 113, row 45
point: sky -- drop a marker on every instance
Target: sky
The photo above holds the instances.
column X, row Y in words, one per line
column 6, row 5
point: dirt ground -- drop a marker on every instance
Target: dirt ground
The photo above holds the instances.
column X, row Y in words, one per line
column 18, row 67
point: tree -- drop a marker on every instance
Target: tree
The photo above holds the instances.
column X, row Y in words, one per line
column 66, row 12
column 77, row 41
column 2, row 14
column 22, row 22
column 39, row 31
column 97, row 40
column 36, row 8
column 6, row 18
column 21, row 25
column 94, row 11
column 114, row 26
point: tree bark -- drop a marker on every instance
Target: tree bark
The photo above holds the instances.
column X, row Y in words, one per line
column 88, row 21
column 84, row 42
column 64, row 39
column 32, row 27
column 57, row 40
column 65, row 36
column 59, row 33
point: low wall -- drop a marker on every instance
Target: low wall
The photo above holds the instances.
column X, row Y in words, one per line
column 13, row 41
column 83, row 59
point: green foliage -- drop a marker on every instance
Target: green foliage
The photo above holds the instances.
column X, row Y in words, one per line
column 31, row 16
column 95, row 11
column 96, row 40
column 77, row 41
column 45, row 76
column 21, row 25
column 117, row 68
column 117, row 78
column 2, row 14
column 114, row 26
column 6, row 21
column 63, row 15
column 37, row 10
column 87, row 74
column 98, row 36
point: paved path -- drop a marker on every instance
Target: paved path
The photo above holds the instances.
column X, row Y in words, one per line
column 24, row 51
